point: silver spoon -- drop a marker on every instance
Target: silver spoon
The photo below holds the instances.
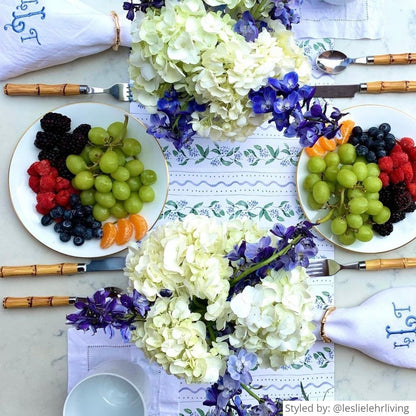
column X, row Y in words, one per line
column 333, row 62
column 38, row 301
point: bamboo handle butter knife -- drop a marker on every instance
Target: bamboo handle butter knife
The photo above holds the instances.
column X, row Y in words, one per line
column 105, row 264
column 375, row 87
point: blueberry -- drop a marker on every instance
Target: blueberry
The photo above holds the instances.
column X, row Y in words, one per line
column 67, row 215
column 379, row 135
column 96, row 224
column 361, row 150
column 74, row 199
column 381, row 153
column 64, row 236
column 372, row 131
column 58, row 227
column 66, row 224
column 87, row 209
column 357, row 131
column 78, row 240
column 97, row 233
column 56, row 212
column 364, row 139
column 78, row 230
column 354, row 140
column 385, row 127
column 371, row 157
column 87, row 235
column 46, row 220
column 389, row 141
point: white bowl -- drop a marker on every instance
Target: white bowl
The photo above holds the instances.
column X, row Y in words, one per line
column 114, row 388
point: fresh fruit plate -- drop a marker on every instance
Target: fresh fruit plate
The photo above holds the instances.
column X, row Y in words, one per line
column 73, row 194
column 360, row 189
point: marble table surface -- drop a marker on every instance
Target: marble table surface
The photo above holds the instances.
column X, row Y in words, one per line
column 33, row 350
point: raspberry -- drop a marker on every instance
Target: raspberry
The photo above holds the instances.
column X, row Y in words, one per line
column 55, row 123
column 396, row 149
column 62, row 197
column 62, row 183
column 47, row 183
column 399, row 158
column 45, row 202
column 385, row 180
column 408, row 172
column 34, row 183
column 385, row 164
column 412, row 189
column 406, row 143
column 412, row 153
column 397, row 175
column 43, row 167
column 32, row 169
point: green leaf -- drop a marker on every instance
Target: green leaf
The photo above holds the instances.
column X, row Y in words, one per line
column 172, row 204
column 327, row 349
column 297, row 366
column 226, row 162
column 201, row 412
column 203, row 152
column 242, row 203
column 258, row 147
column 213, row 203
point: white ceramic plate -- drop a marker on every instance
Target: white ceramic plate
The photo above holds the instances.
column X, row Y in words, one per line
column 404, row 231
column 95, row 114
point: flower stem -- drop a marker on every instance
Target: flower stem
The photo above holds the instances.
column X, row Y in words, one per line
column 250, row 392
column 265, row 262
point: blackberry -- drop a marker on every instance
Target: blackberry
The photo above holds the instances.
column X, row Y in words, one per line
column 383, row 229
column 51, row 154
column 63, row 171
column 55, row 123
column 82, row 129
column 45, row 140
column 397, row 216
column 402, row 201
column 73, row 143
column 411, row 207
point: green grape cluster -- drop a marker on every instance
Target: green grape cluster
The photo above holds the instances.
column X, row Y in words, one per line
column 109, row 174
column 348, row 186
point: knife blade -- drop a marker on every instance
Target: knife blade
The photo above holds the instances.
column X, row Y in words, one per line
column 104, row 264
column 375, row 87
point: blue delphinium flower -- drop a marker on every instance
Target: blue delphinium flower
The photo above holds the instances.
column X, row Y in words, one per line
column 287, row 105
column 176, row 123
column 293, row 247
column 287, row 11
column 246, row 27
column 110, row 313
column 240, row 365
column 142, row 6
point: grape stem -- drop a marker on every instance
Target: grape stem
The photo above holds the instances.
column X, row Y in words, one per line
column 327, row 217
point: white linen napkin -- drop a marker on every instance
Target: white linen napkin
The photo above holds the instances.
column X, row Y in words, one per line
column 383, row 327
column 36, row 35
column 359, row 19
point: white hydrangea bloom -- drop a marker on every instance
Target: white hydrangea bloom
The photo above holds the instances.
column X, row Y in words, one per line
column 273, row 319
column 175, row 338
column 200, row 53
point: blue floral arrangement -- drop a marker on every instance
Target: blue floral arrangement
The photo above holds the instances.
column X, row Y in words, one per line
column 221, row 68
column 210, row 302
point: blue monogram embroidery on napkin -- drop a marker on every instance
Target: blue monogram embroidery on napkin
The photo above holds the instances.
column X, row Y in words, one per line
column 409, row 322
column 18, row 24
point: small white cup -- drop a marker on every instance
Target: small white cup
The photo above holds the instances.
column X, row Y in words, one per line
column 114, row 388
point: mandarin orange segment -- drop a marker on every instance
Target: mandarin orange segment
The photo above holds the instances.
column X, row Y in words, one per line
column 345, row 130
column 327, row 144
column 140, row 226
column 109, row 235
column 125, row 231
column 315, row 150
